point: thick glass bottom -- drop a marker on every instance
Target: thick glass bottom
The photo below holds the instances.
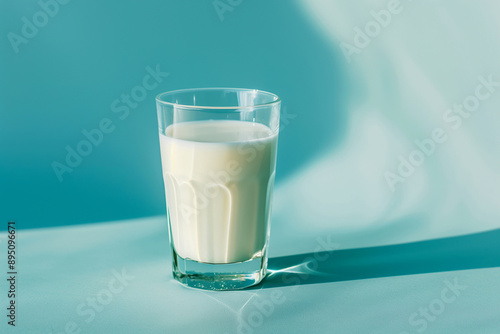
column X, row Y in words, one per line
column 227, row 276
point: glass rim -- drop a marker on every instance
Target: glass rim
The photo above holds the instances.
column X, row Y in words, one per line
column 276, row 98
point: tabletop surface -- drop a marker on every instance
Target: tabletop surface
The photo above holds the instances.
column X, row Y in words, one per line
column 115, row 278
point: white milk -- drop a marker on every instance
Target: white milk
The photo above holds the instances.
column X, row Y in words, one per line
column 219, row 177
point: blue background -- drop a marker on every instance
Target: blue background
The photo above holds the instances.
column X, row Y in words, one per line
column 64, row 81
column 347, row 121
column 349, row 118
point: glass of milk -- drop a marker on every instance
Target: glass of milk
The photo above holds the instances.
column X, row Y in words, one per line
column 218, row 151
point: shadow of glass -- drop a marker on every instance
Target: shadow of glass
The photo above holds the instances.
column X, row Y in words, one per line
column 474, row 251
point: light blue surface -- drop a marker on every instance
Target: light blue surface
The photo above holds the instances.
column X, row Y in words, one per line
column 348, row 121
column 369, row 290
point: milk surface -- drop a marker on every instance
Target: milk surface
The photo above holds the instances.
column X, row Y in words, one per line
column 219, row 177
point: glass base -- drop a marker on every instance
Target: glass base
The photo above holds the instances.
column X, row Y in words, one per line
column 224, row 276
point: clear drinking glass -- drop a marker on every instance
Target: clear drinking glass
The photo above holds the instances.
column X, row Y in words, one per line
column 218, row 151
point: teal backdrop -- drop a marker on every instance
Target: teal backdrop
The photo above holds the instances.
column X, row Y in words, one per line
column 364, row 85
column 65, row 79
